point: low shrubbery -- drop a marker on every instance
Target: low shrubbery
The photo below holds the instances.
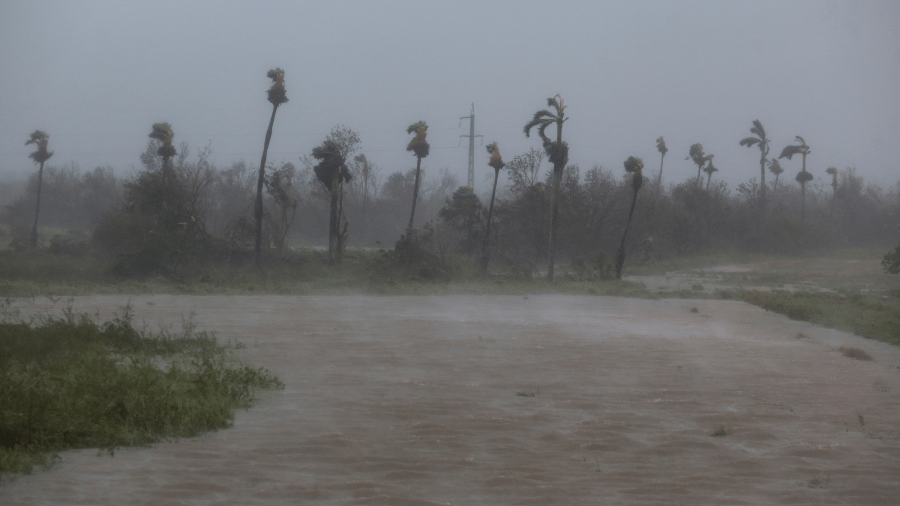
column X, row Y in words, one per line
column 74, row 382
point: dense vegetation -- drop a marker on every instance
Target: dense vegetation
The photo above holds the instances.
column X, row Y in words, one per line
column 74, row 382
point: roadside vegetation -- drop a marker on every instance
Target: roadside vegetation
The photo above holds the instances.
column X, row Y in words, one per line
column 76, row 382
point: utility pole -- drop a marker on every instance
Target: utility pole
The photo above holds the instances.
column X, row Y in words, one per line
column 471, row 137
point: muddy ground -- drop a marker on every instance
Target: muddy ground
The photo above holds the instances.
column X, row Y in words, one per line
column 545, row 399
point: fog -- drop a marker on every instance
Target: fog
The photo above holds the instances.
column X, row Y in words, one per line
column 97, row 75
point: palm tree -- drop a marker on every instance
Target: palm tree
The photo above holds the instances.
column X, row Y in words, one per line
column 661, row 147
column 332, row 171
column 497, row 163
column 163, row 133
column 834, row 184
column 802, row 177
column 633, row 166
column 420, row 148
column 709, row 169
column 558, row 154
column 775, row 168
column 277, row 95
column 696, row 154
column 763, row 142
column 41, row 155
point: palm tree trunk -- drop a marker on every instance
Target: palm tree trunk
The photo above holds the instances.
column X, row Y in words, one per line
column 659, row 179
column 486, row 241
column 412, row 215
column 775, row 188
column 259, row 188
column 762, row 178
column 333, row 223
column 708, row 179
column 554, row 212
column 620, row 254
column 37, row 208
column 803, row 194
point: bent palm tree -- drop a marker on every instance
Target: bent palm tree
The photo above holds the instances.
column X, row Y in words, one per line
column 277, row 95
column 763, row 143
column 332, row 171
column 40, row 155
column 775, row 168
column 633, row 166
column 497, row 163
column 420, row 148
column 558, row 154
column 163, row 133
column 709, row 169
column 696, row 154
column 802, row 177
column 661, row 147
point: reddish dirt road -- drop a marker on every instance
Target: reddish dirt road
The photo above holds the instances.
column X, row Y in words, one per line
column 548, row 399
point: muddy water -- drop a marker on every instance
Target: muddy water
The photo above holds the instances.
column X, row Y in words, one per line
column 512, row 400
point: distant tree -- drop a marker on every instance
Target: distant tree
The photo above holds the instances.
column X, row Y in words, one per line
column 633, row 166
column 277, row 95
column 332, row 171
column 420, row 148
column 497, row 163
column 891, row 261
column 709, row 169
column 763, row 143
column 163, row 132
column 834, row 184
column 279, row 186
column 523, row 171
column 661, row 147
column 40, row 155
column 775, row 168
column 558, row 154
column 463, row 212
column 696, row 154
column 803, row 177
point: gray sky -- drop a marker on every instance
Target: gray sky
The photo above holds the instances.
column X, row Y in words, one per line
column 97, row 74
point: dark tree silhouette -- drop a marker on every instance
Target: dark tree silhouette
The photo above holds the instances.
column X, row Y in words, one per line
column 633, row 166
column 775, row 168
column 699, row 157
column 40, row 155
column 163, row 133
column 420, row 148
column 497, row 163
column 763, row 143
column 661, row 147
column 834, row 185
column 709, row 169
column 802, row 177
column 277, row 95
column 558, row 154
column 332, row 172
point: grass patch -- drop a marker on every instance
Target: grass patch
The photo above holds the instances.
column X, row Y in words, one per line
column 866, row 315
column 74, row 382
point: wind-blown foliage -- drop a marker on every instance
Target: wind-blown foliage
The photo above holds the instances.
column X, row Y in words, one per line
column 558, row 154
column 332, row 171
column 497, row 163
column 633, row 166
column 775, row 168
column 710, row 169
column 803, row 177
column 661, row 147
column 698, row 156
column 763, row 143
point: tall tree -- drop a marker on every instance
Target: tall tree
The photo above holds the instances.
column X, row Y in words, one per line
column 420, row 148
column 709, row 169
column 763, row 143
column 661, row 147
column 163, row 133
column 277, row 95
column 497, row 163
column 40, row 155
column 332, row 171
column 802, row 177
column 558, row 154
column 775, row 168
column 633, row 166
column 699, row 157
column 834, row 185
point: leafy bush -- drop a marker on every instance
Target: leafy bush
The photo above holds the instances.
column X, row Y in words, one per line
column 891, row 262
column 76, row 383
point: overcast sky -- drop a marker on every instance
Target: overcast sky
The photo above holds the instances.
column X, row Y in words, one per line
column 97, row 74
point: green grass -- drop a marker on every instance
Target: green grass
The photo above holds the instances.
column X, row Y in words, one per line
column 866, row 315
column 74, row 382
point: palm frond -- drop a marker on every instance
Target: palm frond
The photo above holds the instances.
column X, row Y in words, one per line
column 540, row 117
column 661, row 145
column 633, row 164
column 790, row 151
column 831, row 170
column 162, row 132
column 775, row 167
column 37, row 137
column 749, row 141
column 758, row 130
column 803, row 177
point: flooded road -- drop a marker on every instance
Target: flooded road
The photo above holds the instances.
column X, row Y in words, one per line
column 548, row 399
